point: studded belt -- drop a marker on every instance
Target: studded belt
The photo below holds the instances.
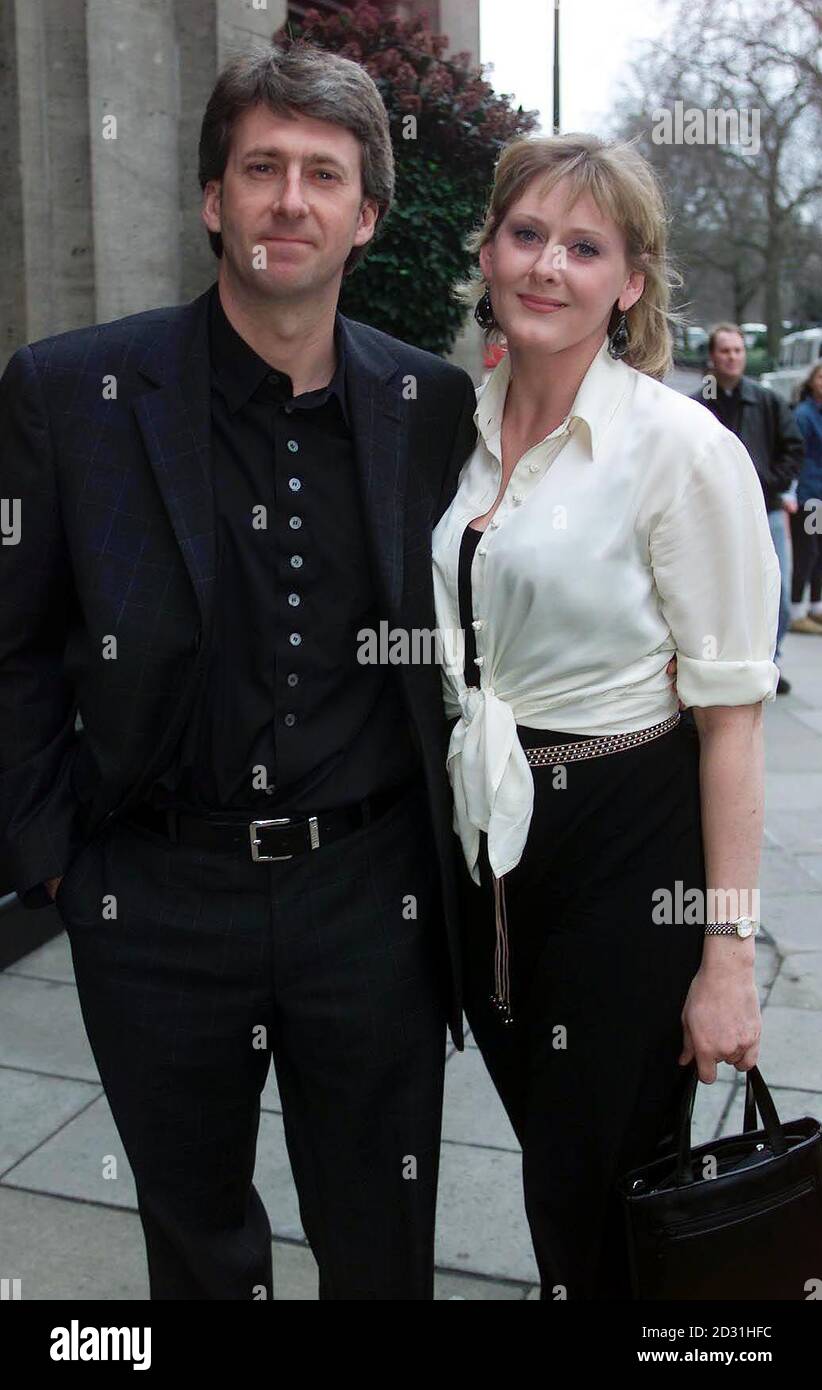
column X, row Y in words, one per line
column 595, row 747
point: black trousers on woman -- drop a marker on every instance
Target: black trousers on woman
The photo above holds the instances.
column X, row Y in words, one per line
column 588, row 1070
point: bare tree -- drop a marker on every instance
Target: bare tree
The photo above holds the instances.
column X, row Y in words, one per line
column 738, row 211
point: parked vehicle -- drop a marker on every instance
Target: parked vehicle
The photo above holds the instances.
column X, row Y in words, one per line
column 755, row 335
column 797, row 353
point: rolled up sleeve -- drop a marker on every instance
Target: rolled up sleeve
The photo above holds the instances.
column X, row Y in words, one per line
column 717, row 575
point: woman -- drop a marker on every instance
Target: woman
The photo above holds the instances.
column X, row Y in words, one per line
column 603, row 523
column 805, row 543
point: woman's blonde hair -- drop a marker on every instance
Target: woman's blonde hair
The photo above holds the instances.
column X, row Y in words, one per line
column 626, row 189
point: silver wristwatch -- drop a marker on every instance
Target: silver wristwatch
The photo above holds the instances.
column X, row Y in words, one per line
column 740, row 926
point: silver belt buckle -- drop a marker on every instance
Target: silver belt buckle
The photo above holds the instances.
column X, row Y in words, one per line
column 313, row 835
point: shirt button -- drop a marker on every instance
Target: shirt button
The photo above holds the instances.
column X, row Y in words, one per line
column 516, row 496
column 480, row 549
column 533, row 468
column 294, row 484
column 493, row 525
column 290, row 720
column 295, row 639
column 477, row 624
column 296, row 561
column 292, row 678
column 478, row 660
column 293, row 446
column 295, row 523
column 294, row 600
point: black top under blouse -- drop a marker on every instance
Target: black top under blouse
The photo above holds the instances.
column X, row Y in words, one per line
column 468, row 546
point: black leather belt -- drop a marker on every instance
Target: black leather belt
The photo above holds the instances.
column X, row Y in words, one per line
column 277, row 837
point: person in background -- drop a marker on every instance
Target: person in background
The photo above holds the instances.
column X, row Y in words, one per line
column 805, row 540
column 766, row 427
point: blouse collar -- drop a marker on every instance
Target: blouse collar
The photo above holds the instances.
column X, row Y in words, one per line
column 599, row 394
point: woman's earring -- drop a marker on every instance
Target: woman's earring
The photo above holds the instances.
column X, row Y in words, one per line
column 618, row 340
column 483, row 312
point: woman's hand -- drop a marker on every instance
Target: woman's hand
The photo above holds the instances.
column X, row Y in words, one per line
column 52, row 884
column 671, row 673
column 721, row 1021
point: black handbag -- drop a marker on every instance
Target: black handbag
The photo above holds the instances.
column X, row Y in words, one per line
column 754, row 1230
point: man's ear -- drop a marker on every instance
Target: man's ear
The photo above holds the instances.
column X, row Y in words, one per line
column 367, row 224
column 210, row 208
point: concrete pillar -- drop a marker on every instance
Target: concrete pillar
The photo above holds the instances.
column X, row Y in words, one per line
column 208, row 36
column 48, row 268
column 133, row 80
column 242, row 22
column 12, row 275
column 460, row 20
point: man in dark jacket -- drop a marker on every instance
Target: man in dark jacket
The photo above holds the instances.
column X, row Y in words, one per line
column 250, row 839
column 765, row 425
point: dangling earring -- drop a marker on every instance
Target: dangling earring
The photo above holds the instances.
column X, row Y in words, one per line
column 483, row 312
column 618, row 340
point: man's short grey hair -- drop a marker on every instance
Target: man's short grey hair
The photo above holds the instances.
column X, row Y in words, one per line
column 308, row 81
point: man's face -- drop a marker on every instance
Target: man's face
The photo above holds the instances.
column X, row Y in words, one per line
column 729, row 356
column 289, row 206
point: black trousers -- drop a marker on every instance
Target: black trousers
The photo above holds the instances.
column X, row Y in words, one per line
column 333, row 964
column 588, row 1070
column 807, row 559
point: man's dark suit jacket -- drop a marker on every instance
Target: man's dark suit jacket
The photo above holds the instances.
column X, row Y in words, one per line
column 104, row 442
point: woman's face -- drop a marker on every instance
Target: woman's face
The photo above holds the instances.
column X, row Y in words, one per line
column 555, row 271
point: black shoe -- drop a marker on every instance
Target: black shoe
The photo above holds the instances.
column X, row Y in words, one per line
column 783, row 686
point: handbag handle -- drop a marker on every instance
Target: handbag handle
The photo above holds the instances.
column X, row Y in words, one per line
column 756, row 1095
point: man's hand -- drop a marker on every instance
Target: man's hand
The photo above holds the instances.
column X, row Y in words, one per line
column 671, row 670
column 789, row 503
column 52, row 884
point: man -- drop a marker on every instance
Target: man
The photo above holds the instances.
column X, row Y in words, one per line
column 766, row 426
column 250, row 838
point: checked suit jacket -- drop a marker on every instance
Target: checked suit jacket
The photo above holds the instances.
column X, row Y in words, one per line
column 105, row 467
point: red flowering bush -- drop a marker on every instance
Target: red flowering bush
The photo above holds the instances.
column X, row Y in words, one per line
column 443, row 176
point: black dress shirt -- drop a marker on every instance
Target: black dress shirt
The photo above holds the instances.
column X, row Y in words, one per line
column 287, row 718
column 728, row 406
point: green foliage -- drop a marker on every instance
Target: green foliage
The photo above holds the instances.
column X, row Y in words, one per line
column 447, row 129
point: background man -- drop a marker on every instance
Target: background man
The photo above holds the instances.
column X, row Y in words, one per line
column 766, row 426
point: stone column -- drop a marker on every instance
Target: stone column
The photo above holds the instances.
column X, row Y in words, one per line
column 47, row 279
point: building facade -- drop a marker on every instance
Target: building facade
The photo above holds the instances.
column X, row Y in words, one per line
column 100, row 109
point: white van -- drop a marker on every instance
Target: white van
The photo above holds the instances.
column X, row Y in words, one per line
column 797, row 354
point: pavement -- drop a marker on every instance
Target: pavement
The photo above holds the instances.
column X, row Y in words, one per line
column 70, row 1233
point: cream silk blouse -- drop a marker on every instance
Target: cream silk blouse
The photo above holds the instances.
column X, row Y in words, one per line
column 635, row 530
